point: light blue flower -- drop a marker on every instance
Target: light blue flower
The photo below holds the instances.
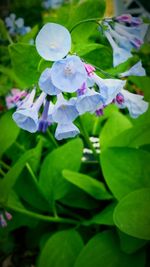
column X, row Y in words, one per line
column 68, row 74
column 138, row 31
column 53, row 42
column 89, row 102
column 121, row 41
column 136, row 70
column 64, row 111
column 27, row 117
column 135, row 103
column 135, row 39
column 16, row 26
column 52, row 3
column 109, row 88
column 45, row 83
column 120, row 55
column 64, row 131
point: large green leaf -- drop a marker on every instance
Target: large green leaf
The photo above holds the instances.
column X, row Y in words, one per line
column 25, row 61
column 10, row 178
column 88, row 184
column 104, row 250
column 82, row 11
column 104, row 217
column 125, row 169
column 115, row 125
column 61, row 249
column 132, row 214
column 67, row 156
column 9, row 132
column 130, row 244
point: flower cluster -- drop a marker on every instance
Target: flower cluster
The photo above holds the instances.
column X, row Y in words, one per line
column 4, row 217
column 52, row 3
column 124, row 33
column 71, row 88
column 16, row 26
column 14, row 99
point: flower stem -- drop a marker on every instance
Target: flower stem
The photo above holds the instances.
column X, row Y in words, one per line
column 52, row 138
column 94, row 20
column 7, row 167
column 87, row 139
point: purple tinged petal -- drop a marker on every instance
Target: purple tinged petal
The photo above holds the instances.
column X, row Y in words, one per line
column 109, row 88
column 89, row 102
column 127, row 18
column 68, row 74
column 135, row 104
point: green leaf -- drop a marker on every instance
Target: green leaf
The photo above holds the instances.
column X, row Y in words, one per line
column 132, row 214
column 25, row 59
column 9, row 133
column 104, row 250
column 125, row 169
column 115, row 125
column 28, row 189
column 67, row 156
column 15, row 204
column 10, row 178
column 135, row 136
column 93, row 187
column 61, row 249
column 130, row 244
column 104, row 217
column 100, row 57
column 3, row 30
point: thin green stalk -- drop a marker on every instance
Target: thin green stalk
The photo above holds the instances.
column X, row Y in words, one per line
column 2, row 172
column 31, row 172
column 43, row 217
column 52, row 138
column 7, row 167
column 87, row 139
column 9, row 38
column 94, row 20
column 20, row 146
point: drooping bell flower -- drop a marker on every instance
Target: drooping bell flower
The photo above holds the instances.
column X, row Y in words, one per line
column 109, row 88
column 27, row 117
column 64, row 110
column 120, row 55
column 66, row 130
column 45, row 83
column 136, row 70
column 90, row 101
column 133, row 102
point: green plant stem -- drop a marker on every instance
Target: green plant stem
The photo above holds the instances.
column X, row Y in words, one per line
column 2, row 172
column 52, row 138
column 9, row 38
column 94, row 20
column 4, row 165
column 20, row 146
column 43, row 217
column 87, row 139
column 31, row 172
